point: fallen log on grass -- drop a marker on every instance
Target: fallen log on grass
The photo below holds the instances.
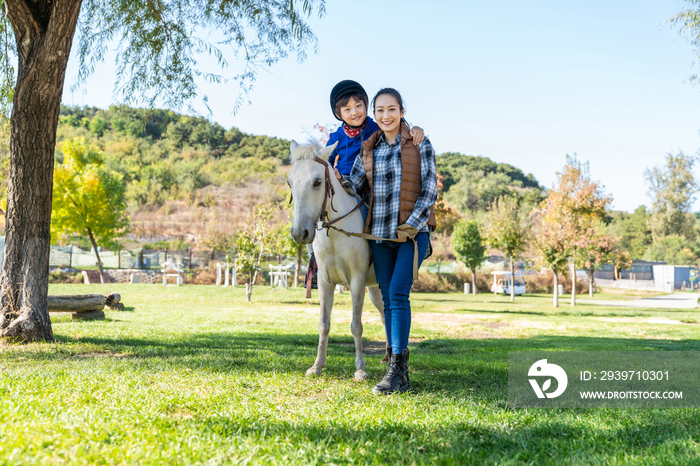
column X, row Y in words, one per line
column 112, row 298
column 85, row 306
column 77, row 303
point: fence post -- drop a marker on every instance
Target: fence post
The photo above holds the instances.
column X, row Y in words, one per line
column 70, row 258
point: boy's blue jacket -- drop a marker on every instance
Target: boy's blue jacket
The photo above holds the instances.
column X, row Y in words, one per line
column 348, row 148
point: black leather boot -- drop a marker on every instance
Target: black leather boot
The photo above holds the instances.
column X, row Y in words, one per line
column 396, row 378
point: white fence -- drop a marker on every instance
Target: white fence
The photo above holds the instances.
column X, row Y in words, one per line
column 641, row 285
column 70, row 256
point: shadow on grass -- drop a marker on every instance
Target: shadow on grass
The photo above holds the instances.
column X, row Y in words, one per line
column 653, row 436
column 472, row 373
column 462, row 368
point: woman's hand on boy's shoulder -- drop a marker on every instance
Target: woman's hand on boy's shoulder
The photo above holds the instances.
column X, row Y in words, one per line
column 417, row 134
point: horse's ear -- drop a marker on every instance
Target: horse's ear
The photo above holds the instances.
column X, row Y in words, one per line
column 293, row 145
column 328, row 150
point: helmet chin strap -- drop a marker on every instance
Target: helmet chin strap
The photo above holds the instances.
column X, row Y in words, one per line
column 358, row 126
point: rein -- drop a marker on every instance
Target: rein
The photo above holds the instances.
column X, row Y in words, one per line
column 328, row 187
column 327, row 223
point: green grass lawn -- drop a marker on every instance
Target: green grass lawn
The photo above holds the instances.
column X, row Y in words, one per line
column 195, row 375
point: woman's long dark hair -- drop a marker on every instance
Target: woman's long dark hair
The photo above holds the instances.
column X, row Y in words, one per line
column 389, row 91
column 395, row 94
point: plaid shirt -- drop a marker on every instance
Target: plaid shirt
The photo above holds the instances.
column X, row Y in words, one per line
column 387, row 187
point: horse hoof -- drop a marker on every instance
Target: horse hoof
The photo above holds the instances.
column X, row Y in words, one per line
column 361, row 376
column 313, row 372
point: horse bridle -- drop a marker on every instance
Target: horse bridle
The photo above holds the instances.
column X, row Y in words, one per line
column 327, row 223
column 329, row 192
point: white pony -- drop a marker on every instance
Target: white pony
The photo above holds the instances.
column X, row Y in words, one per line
column 342, row 260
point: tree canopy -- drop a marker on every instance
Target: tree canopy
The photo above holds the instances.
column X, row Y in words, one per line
column 469, row 246
column 672, row 188
column 506, row 230
column 158, row 48
column 688, row 24
column 159, row 45
column 88, row 198
column 252, row 242
column 568, row 222
column 472, row 183
column 633, row 230
column 164, row 155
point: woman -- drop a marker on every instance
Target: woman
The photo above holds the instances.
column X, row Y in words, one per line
column 349, row 102
column 403, row 185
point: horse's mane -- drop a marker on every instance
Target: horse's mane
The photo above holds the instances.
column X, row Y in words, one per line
column 307, row 151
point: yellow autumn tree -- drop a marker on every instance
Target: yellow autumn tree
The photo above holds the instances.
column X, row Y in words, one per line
column 567, row 222
column 88, row 198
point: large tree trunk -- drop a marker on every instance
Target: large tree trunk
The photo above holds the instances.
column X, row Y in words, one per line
column 44, row 33
column 555, row 300
column 99, row 261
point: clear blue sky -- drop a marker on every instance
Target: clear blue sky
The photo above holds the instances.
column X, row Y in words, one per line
column 520, row 82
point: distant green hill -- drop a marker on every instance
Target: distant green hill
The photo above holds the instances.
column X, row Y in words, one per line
column 472, row 183
column 168, row 156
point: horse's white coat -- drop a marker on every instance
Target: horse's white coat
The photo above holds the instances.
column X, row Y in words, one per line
column 341, row 260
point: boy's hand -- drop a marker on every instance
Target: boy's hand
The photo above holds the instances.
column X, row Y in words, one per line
column 337, row 174
column 417, row 134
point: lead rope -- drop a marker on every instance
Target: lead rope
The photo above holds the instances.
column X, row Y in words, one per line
column 377, row 238
column 327, row 223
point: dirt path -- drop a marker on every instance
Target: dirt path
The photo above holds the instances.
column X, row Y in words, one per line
column 669, row 301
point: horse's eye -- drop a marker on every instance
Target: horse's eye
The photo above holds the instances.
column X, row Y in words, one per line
column 317, row 182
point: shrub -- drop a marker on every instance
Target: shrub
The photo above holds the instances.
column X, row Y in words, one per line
column 544, row 283
column 57, row 276
column 535, row 283
column 201, row 277
column 443, row 283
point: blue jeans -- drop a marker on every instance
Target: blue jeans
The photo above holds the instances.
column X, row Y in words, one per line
column 393, row 266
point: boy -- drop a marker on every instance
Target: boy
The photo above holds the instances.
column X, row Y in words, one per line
column 349, row 104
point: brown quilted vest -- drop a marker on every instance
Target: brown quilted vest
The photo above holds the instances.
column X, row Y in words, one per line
column 410, row 176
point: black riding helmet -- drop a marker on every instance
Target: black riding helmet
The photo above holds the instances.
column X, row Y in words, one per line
column 344, row 88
